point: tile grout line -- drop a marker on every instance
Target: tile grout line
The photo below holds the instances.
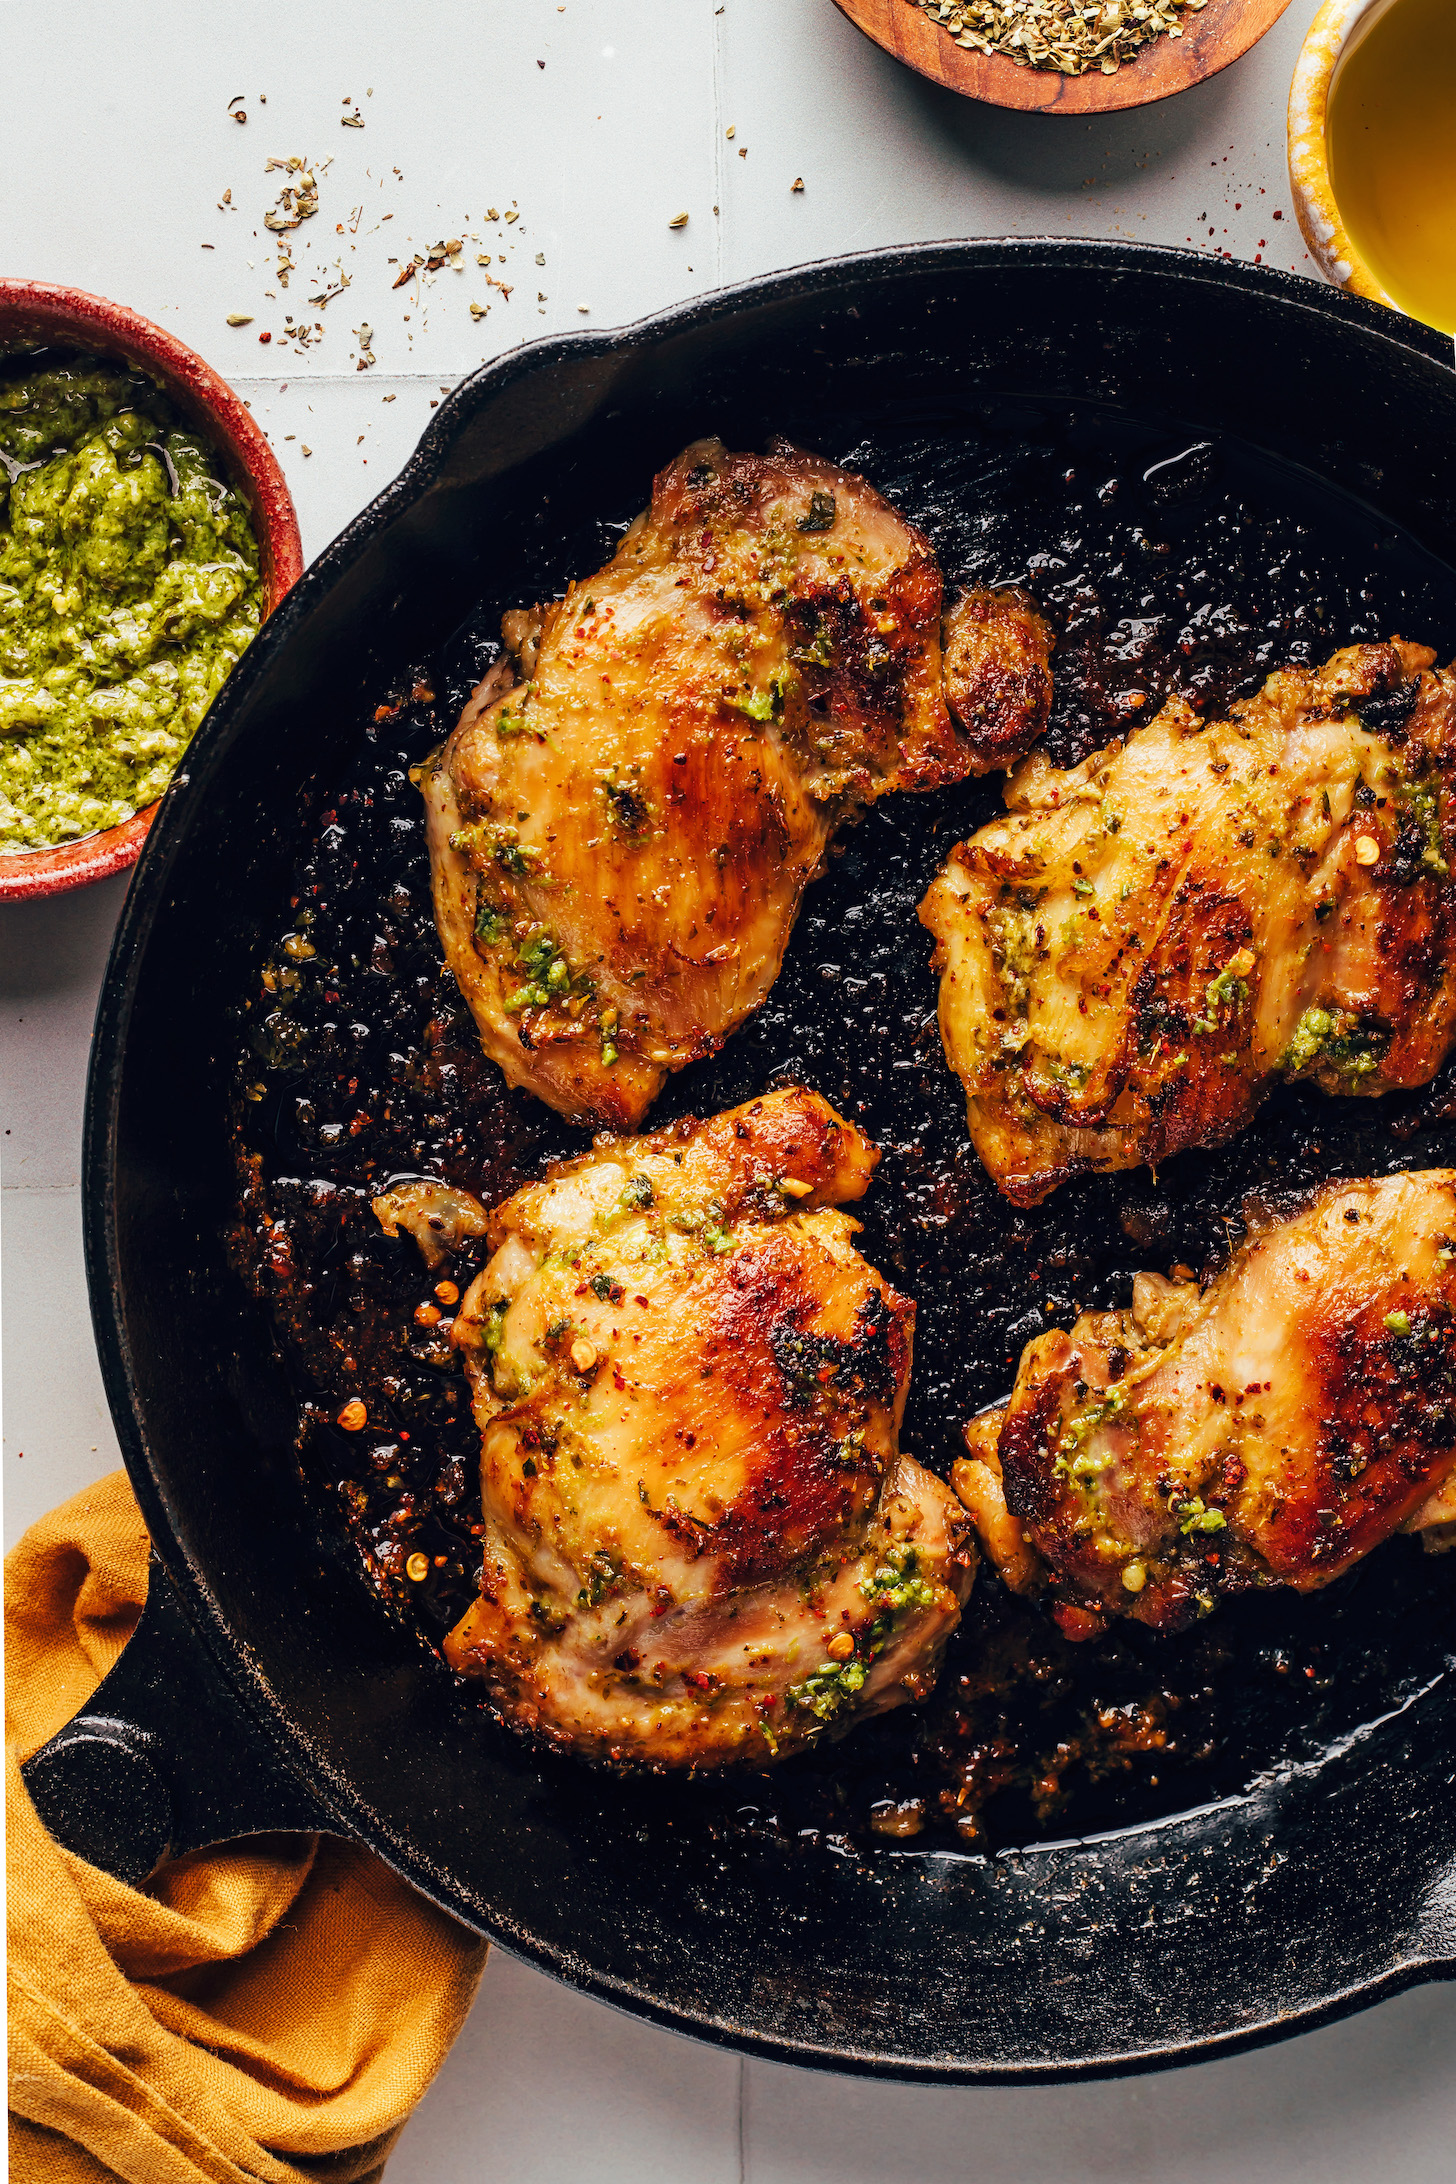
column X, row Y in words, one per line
column 743, row 2119
column 718, row 176
column 350, row 379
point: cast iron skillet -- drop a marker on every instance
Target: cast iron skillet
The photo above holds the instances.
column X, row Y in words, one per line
column 266, row 1688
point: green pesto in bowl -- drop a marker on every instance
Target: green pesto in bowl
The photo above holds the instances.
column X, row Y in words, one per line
column 129, row 587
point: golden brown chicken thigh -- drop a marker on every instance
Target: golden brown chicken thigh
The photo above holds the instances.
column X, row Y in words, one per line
column 1271, row 1429
column 702, row 1544
column 619, row 842
column 1144, row 942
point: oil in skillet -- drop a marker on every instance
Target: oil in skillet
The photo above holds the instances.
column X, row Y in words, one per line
column 1167, row 565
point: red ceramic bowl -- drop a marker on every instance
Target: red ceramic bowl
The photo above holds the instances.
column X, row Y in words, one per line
column 36, row 314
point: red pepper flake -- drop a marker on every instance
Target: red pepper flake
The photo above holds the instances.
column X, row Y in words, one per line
column 642, row 1301
column 265, row 337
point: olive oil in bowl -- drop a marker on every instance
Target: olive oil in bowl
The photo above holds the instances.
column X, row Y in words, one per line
column 1391, row 136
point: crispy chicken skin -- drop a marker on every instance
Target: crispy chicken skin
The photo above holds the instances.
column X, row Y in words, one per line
column 619, row 842
column 1271, row 1429
column 998, row 674
column 1131, row 955
column 702, row 1544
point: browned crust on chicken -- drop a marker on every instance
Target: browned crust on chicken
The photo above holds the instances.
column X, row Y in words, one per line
column 1148, row 940
column 702, row 1543
column 620, row 842
column 998, row 675
column 1273, row 1428
column 787, row 1152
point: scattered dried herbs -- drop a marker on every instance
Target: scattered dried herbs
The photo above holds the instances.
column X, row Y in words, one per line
column 297, row 201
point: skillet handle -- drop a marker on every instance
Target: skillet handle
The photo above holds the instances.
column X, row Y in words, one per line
column 163, row 1759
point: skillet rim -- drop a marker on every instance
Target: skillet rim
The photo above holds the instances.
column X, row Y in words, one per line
column 227, row 1650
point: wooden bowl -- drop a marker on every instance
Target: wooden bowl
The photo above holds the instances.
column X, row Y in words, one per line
column 1211, row 39
column 38, row 314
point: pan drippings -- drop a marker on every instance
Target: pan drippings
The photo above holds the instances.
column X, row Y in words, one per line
column 1167, row 565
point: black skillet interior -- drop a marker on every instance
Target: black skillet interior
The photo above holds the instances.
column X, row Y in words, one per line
column 997, row 392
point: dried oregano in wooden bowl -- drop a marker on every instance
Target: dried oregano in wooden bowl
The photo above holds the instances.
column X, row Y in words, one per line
column 1065, row 56
column 1069, row 36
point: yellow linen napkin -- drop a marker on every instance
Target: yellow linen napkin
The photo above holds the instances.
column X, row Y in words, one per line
column 271, row 2010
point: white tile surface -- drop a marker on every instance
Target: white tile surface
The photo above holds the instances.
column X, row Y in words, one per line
column 52, row 955
column 58, row 1431
column 623, row 128
column 544, row 2086
column 597, row 151
column 887, row 157
column 1370, row 2101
